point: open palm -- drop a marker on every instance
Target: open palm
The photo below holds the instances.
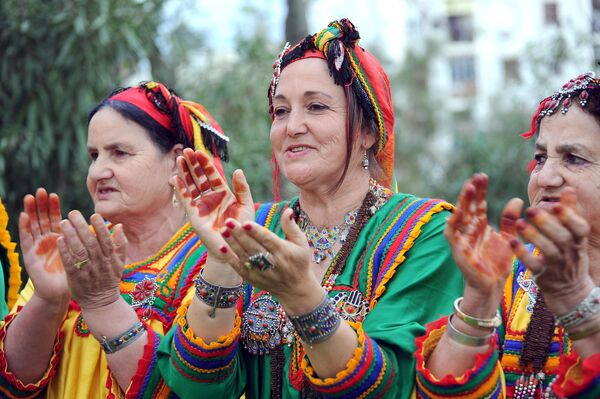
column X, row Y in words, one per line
column 483, row 255
column 207, row 199
column 38, row 232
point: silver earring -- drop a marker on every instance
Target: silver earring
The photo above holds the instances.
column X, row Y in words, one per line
column 174, row 200
column 365, row 161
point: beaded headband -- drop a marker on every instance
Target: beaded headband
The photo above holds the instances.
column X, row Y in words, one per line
column 576, row 89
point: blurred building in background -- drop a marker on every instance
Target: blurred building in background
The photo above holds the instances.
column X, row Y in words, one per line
column 494, row 54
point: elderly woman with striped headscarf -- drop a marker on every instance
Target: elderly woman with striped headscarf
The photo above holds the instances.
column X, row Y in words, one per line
column 99, row 295
column 324, row 294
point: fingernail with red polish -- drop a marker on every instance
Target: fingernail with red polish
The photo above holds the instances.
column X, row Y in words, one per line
column 223, row 249
column 514, row 243
column 230, row 224
column 557, row 210
column 247, row 227
column 226, row 234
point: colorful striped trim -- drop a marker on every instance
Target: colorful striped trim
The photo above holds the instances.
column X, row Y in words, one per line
column 147, row 363
column 10, row 385
column 201, row 361
column 364, row 375
column 483, row 380
column 14, row 276
column 391, row 241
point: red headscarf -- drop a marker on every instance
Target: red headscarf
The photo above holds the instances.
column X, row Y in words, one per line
column 175, row 114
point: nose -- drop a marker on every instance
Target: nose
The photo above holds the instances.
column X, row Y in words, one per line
column 100, row 169
column 550, row 174
column 296, row 122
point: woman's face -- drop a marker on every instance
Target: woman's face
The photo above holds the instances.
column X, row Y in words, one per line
column 568, row 155
column 128, row 174
column 308, row 133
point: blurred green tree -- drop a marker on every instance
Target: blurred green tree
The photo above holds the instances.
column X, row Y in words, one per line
column 233, row 87
column 57, row 59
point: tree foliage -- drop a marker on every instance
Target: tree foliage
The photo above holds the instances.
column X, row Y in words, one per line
column 58, row 58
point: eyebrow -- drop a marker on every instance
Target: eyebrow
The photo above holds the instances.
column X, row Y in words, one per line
column 307, row 94
column 563, row 148
column 112, row 146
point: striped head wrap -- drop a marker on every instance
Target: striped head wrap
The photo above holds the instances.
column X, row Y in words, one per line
column 177, row 116
column 353, row 67
column 577, row 89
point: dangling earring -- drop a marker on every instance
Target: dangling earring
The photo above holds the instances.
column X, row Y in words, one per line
column 174, row 199
column 365, row 161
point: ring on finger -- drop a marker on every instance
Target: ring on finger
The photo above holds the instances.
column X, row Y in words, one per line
column 81, row 264
column 259, row 261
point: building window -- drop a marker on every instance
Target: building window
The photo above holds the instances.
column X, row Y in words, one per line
column 511, row 70
column 461, row 28
column 596, row 16
column 550, row 13
column 462, row 70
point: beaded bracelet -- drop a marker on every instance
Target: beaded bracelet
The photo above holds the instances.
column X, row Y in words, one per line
column 466, row 339
column 494, row 322
column 216, row 296
column 318, row 324
column 586, row 309
column 121, row 341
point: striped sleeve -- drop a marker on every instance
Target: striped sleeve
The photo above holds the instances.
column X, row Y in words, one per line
column 483, row 380
column 10, row 386
column 367, row 375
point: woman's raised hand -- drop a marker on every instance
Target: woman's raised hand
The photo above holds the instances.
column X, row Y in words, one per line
column 39, row 230
column 93, row 259
column 561, row 236
column 207, row 199
column 483, row 255
column 285, row 269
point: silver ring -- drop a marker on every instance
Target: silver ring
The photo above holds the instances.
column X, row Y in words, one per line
column 259, row 261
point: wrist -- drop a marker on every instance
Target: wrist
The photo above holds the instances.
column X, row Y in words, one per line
column 569, row 296
column 299, row 303
column 220, row 273
column 479, row 304
column 56, row 306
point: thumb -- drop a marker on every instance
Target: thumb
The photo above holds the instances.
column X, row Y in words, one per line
column 120, row 241
column 241, row 189
column 291, row 229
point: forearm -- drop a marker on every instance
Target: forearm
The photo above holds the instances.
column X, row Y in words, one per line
column 454, row 358
column 112, row 321
column 31, row 337
column 207, row 322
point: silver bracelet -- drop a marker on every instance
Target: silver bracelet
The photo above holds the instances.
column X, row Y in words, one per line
column 318, row 324
column 466, row 339
column 216, row 296
column 123, row 340
column 494, row 322
column 586, row 309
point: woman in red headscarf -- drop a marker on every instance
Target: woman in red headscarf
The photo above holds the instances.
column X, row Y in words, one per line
column 98, row 297
column 338, row 281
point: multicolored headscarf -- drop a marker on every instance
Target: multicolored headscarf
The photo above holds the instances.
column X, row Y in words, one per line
column 350, row 66
column 577, row 89
column 177, row 115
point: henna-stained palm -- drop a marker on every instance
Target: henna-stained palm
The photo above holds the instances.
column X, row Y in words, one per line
column 207, row 198
column 483, row 255
column 38, row 232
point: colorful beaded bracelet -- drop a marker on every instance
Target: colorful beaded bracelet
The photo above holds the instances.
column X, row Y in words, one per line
column 318, row 324
column 466, row 339
column 586, row 309
column 121, row 341
column 494, row 322
column 216, row 296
